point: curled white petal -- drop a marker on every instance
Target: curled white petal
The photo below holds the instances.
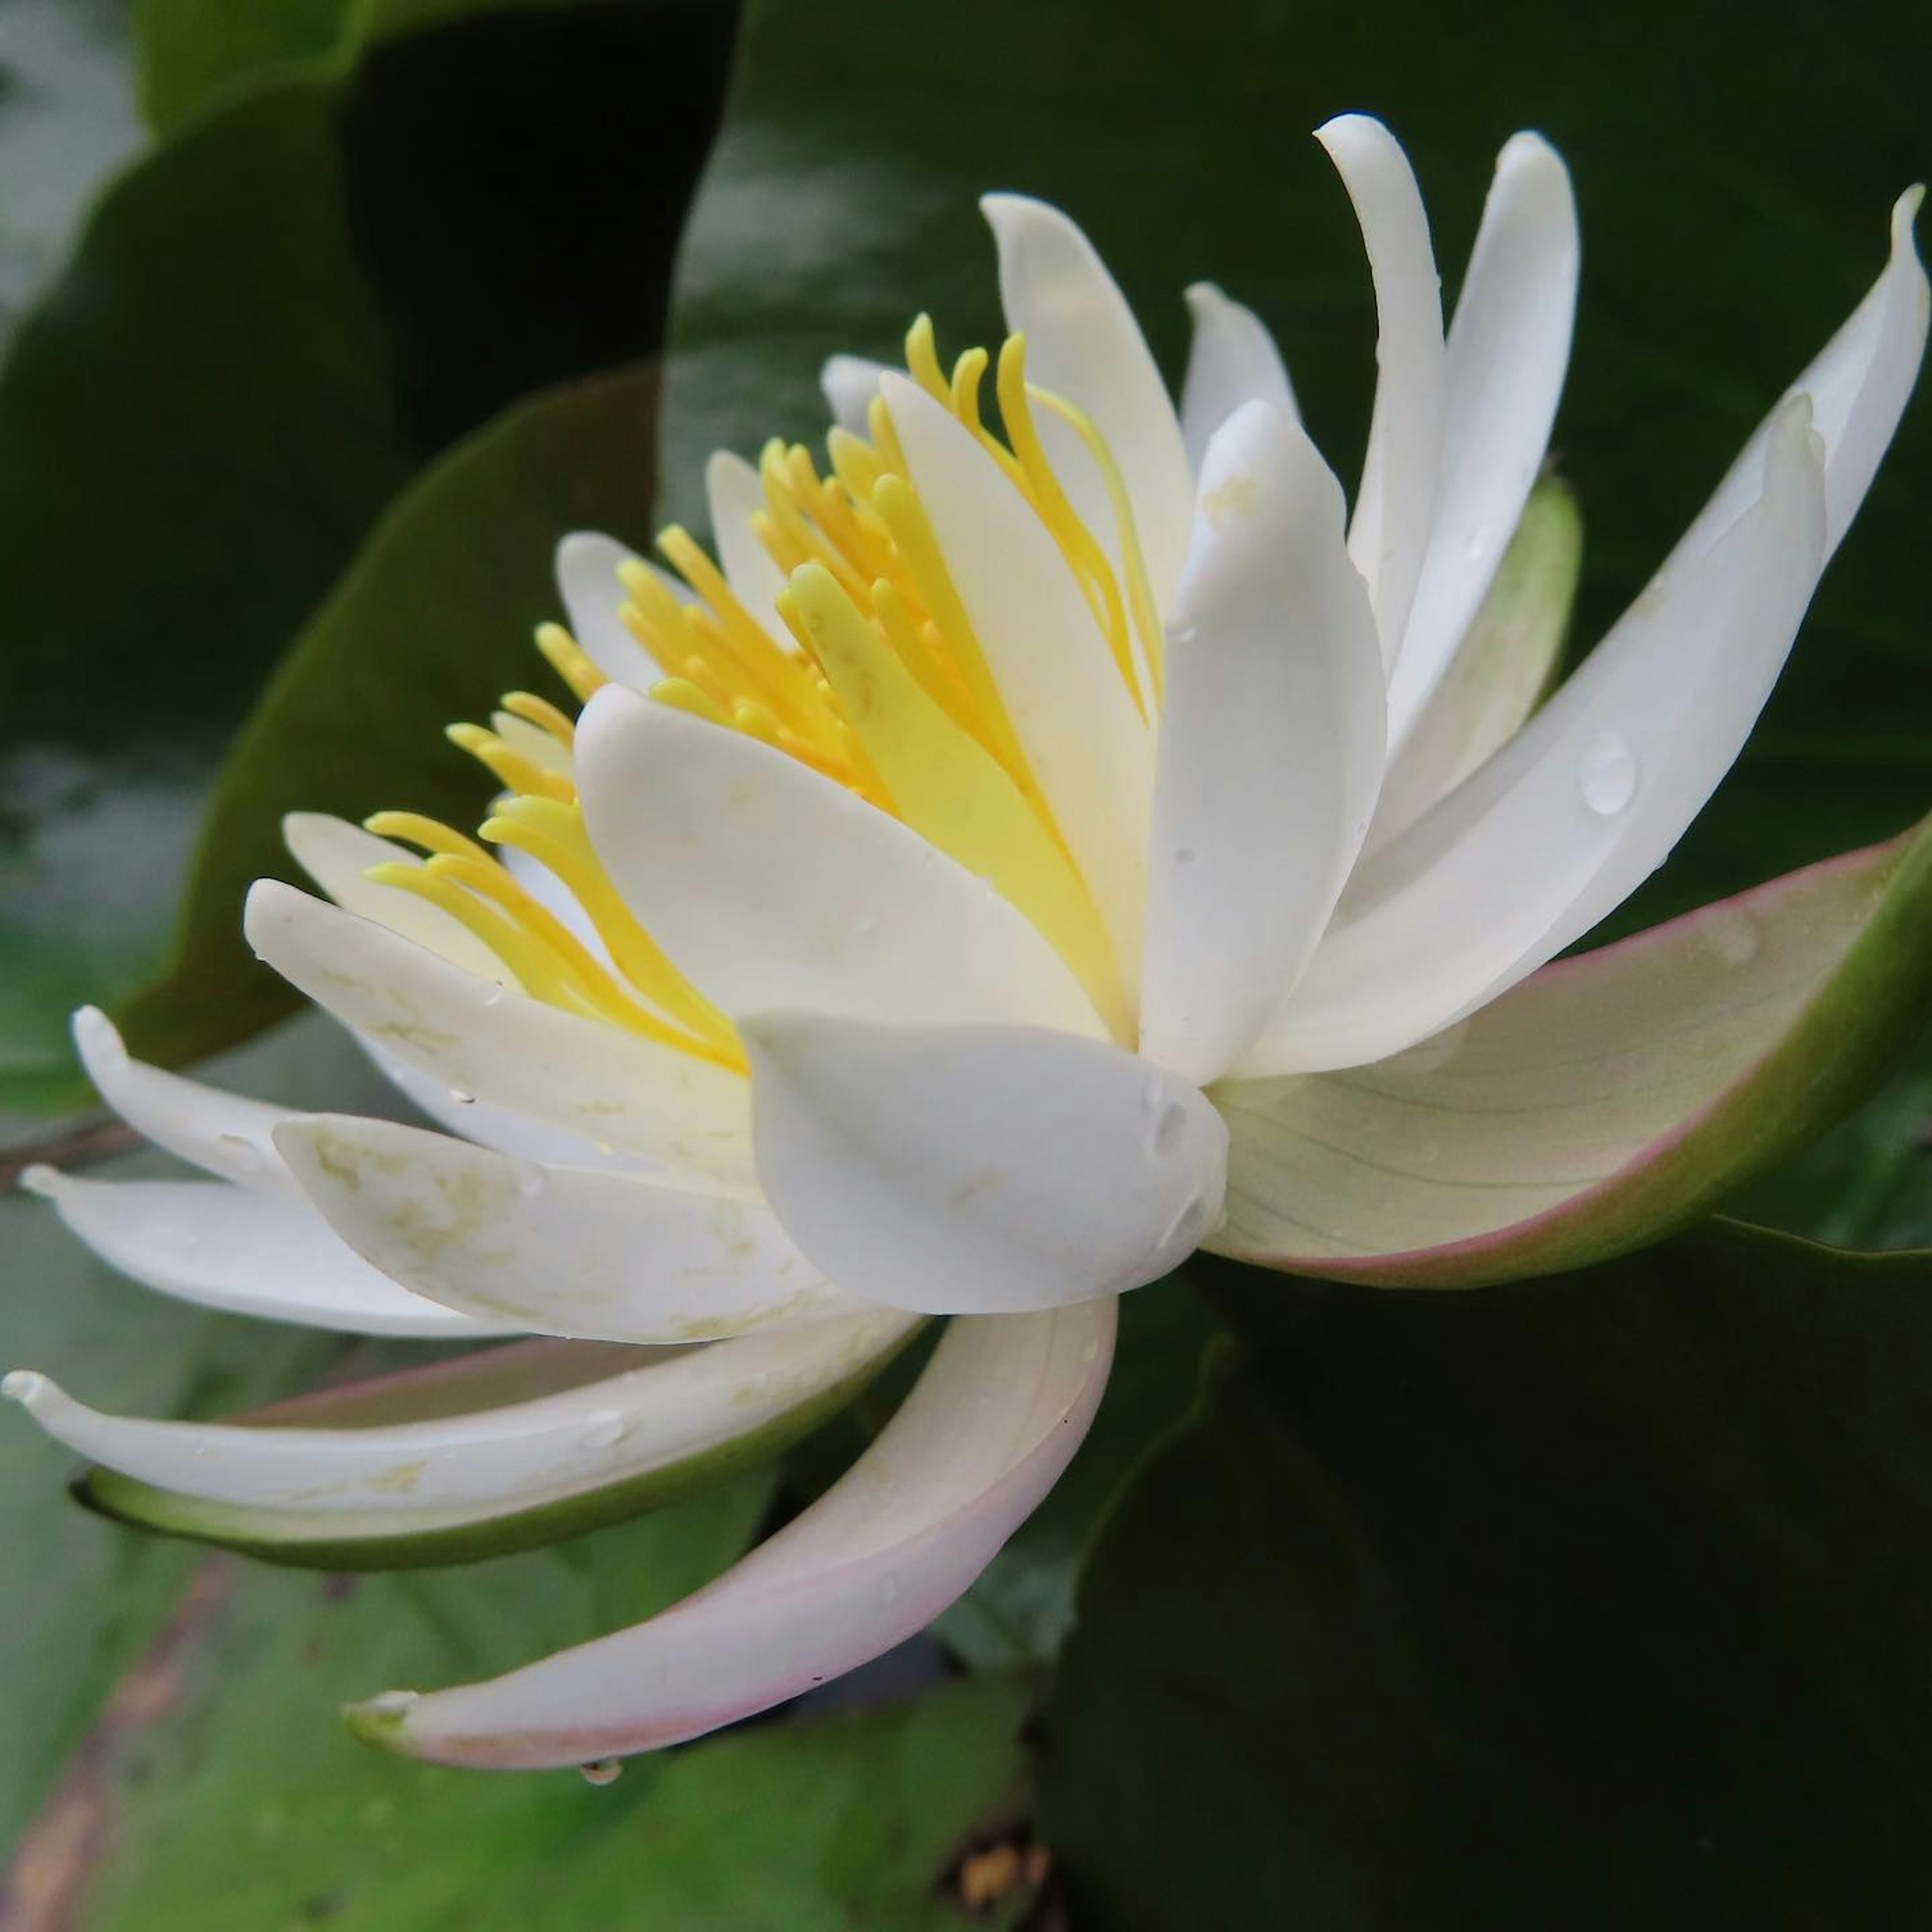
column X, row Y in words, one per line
column 979, row 1169
column 516, row 1455
column 993, row 1420
column 224, row 1134
column 1503, row 370
column 587, row 563
column 219, row 1247
column 1396, row 506
column 590, row 1254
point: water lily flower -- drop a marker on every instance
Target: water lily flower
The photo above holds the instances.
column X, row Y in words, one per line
column 1024, row 855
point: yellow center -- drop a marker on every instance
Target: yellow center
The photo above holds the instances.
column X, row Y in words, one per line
column 887, row 691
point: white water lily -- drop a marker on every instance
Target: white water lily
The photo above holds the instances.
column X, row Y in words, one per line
column 1023, row 857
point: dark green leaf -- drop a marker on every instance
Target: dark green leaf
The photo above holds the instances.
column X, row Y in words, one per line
column 1592, row 1602
column 269, row 325
column 452, row 584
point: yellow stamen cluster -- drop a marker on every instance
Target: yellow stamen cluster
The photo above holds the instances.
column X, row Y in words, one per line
column 877, row 681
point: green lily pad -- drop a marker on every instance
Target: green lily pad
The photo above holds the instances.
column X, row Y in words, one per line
column 1594, row 1601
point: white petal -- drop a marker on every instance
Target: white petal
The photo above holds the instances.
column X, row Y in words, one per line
column 1084, row 343
column 1566, row 820
column 224, row 1134
column 770, row 885
column 500, row 1128
column 979, row 1169
column 1088, row 749
column 736, row 494
column 535, row 743
column 1396, row 505
column 521, row 1454
column 554, row 896
column 1271, row 745
column 335, row 854
column 993, row 1420
column 1858, row 386
column 586, row 579
column 596, row 1256
column 1509, row 345
column 850, row 382
column 590, row 1078
column 206, row 1242
column 1233, row 361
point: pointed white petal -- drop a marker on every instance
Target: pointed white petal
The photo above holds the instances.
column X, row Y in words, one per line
column 770, row 885
column 1233, row 361
column 225, row 1134
column 335, row 854
column 849, row 383
column 1508, row 348
column 583, row 1074
column 1089, row 751
column 1271, row 745
column 596, row 1256
column 206, row 1242
column 979, row 1169
column 992, row 1422
column 1084, row 343
column 735, row 494
column 1396, row 506
column 586, row 579
column 1858, row 386
column 521, row 1455
column 1568, row 818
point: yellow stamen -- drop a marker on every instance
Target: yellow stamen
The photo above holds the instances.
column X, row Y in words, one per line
column 561, row 652
column 540, row 712
column 922, row 358
column 431, row 834
column 515, row 772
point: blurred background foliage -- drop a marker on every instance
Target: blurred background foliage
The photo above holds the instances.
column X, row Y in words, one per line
column 1587, row 1603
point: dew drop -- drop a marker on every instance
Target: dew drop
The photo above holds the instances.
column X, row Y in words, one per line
column 1181, row 634
column 1184, row 855
column 603, row 1429
column 602, row 1771
column 530, row 1182
column 1607, row 776
column 462, row 1099
column 1732, row 934
column 494, row 997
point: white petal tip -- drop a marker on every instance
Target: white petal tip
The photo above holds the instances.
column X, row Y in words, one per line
column 42, row 1180
column 95, row 1035
column 1343, row 129
column 25, row 1387
column 381, row 1720
column 1526, row 149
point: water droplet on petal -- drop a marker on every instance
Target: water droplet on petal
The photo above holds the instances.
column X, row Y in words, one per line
column 603, row 1429
column 530, row 1182
column 1184, row 855
column 493, row 997
column 462, row 1099
column 1732, row 933
column 601, row 1770
column 1607, row 776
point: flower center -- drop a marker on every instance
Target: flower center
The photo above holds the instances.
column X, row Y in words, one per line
column 876, row 681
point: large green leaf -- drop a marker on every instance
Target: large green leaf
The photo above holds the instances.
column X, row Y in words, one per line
column 269, row 324
column 1593, row 1602
column 450, row 586
column 214, row 1814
